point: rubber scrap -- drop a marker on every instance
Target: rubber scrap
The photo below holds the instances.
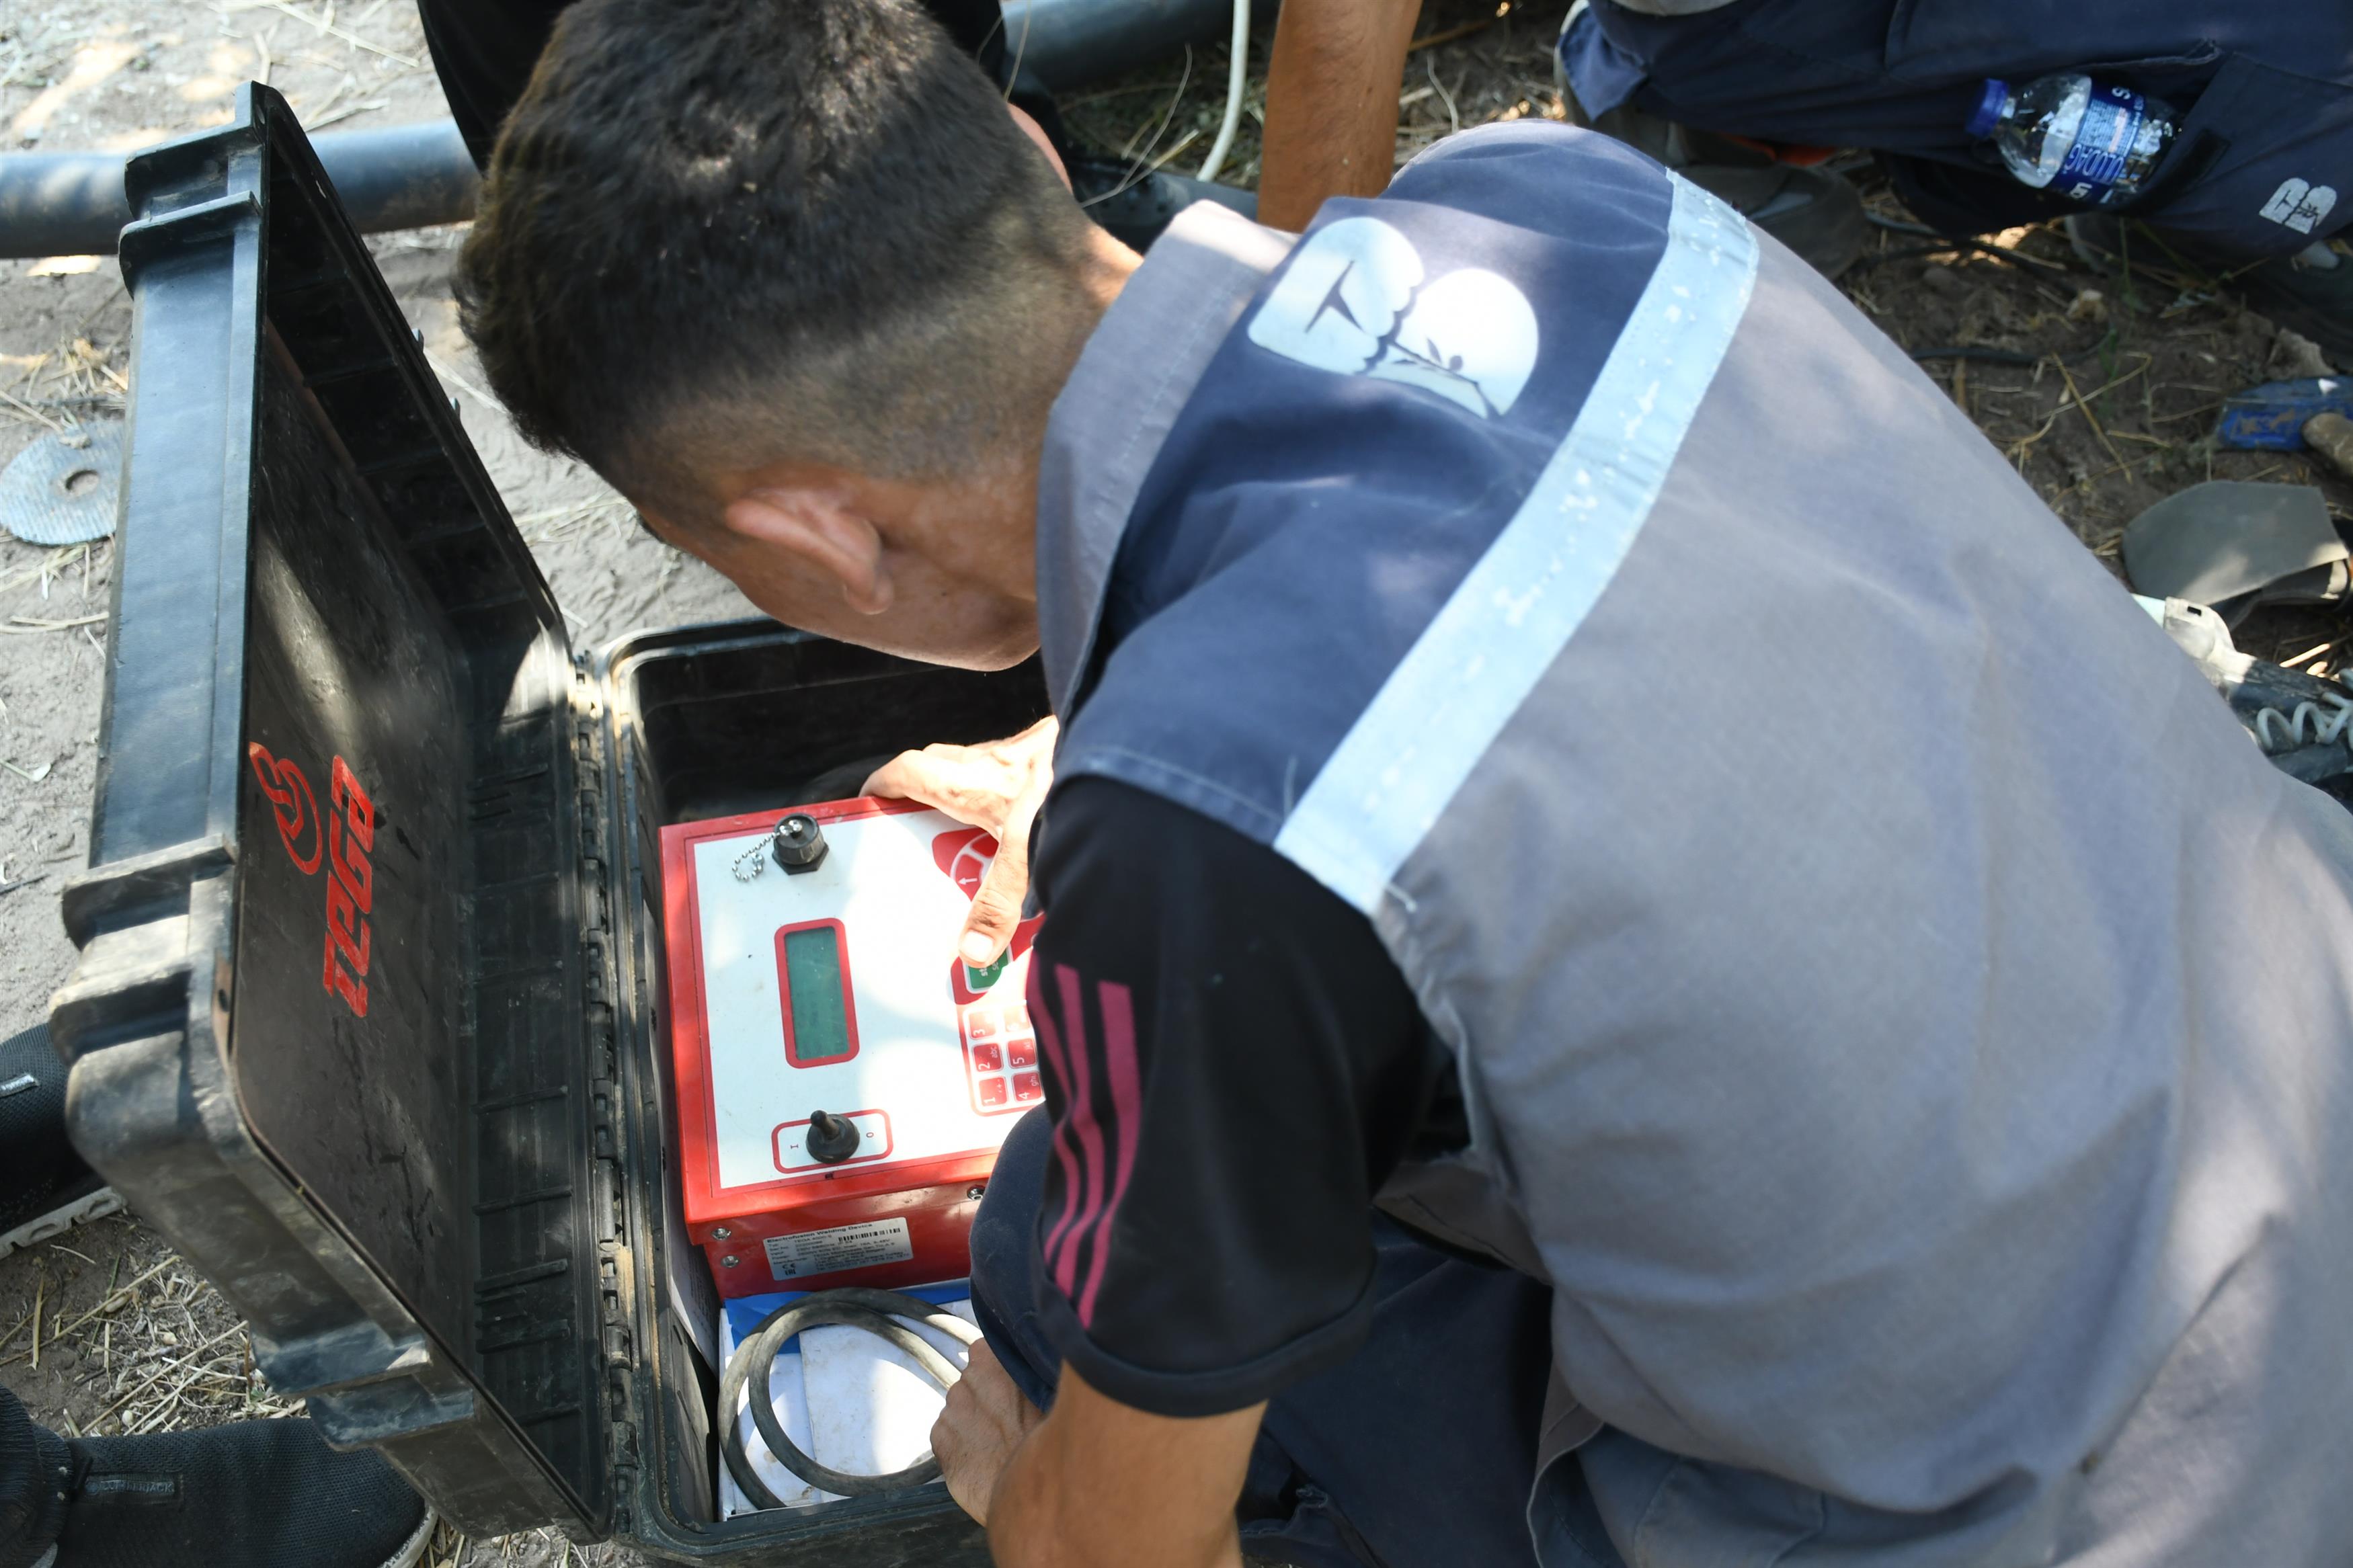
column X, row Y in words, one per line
column 2233, row 545
column 61, row 489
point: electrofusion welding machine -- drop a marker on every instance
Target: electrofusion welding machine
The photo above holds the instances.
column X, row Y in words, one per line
column 843, row 1081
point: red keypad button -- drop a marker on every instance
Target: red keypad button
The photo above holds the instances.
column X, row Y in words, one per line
column 979, row 1025
column 1021, row 1053
column 985, row 1059
column 992, row 1090
column 1025, row 1087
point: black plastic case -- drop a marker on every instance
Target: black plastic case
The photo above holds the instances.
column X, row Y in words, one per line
column 444, row 1218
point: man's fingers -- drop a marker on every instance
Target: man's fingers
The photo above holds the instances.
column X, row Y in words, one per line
column 997, row 787
column 961, row 781
column 960, row 1445
column 888, row 780
column 999, row 1391
column 997, row 907
column 922, row 775
column 985, row 1419
column 986, row 1375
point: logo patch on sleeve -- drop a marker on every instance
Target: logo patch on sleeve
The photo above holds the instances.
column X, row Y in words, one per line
column 2300, row 205
column 1354, row 302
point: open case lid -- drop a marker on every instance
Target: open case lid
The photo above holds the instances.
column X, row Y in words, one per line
column 338, row 1027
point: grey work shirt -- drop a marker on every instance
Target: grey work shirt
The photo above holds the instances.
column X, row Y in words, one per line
column 1938, row 1163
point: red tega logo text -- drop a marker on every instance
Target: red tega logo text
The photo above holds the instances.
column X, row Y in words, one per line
column 291, row 802
column 351, row 837
column 345, row 840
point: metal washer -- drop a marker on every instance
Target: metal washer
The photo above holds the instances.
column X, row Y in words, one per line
column 56, row 492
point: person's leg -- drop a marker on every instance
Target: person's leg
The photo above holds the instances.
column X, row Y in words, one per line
column 262, row 1494
column 1423, row 1443
column 1813, row 212
column 1004, row 1261
column 44, row 1187
column 483, row 51
column 1416, row 1452
column 34, row 1467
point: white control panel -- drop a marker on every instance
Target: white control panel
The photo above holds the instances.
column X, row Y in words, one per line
column 836, row 989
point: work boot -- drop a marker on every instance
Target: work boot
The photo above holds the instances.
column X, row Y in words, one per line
column 1812, row 211
column 45, row 1188
column 2310, row 292
column 255, row 1494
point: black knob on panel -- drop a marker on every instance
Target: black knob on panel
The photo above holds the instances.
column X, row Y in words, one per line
column 831, row 1138
column 798, row 843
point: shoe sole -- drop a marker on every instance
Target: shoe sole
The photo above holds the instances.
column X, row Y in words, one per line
column 408, row 1552
column 57, row 1222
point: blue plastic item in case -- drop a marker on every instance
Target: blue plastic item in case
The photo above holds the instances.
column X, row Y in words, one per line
column 745, row 1313
column 844, row 1412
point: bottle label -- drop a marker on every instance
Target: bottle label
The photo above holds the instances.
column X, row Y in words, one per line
column 2104, row 145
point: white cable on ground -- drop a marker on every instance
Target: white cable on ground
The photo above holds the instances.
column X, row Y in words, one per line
column 1236, row 74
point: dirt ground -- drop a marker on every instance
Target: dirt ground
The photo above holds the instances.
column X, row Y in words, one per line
column 2099, row 382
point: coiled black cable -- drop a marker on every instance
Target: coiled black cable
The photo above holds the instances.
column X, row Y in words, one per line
column 854, row 1307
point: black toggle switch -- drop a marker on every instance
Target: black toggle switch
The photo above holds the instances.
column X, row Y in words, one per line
column 831, row 1138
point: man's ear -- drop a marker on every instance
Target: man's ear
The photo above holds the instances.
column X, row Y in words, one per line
column 818, row 525
column 1036, row 133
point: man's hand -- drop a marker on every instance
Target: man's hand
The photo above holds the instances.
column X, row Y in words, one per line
column 1100, row 1482
column 976, row 1435
column 998, row 786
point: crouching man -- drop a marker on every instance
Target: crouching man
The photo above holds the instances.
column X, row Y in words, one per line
column 1643, row 960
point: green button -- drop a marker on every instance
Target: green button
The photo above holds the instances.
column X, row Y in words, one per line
column 982, row 979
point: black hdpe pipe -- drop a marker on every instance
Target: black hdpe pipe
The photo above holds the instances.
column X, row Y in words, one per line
column 407, row 177
column 401, row 176
column 1067, row 43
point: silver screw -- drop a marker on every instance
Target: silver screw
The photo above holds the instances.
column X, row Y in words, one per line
column 975, row 1191
column 729, row 1261
column 720, row 1233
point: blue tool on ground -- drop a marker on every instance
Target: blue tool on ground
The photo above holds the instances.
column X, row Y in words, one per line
column 2271, row 417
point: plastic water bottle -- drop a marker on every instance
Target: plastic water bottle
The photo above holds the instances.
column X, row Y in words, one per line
column 2086, row 142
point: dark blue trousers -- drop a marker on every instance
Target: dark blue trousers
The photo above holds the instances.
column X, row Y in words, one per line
column 32, row 1508
column 1418, row 1452
column 2265, row 96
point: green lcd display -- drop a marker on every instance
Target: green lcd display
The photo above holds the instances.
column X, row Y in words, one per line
column 816, row 992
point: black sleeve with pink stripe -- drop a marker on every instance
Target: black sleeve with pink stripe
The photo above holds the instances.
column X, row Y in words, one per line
column 1233, row 1067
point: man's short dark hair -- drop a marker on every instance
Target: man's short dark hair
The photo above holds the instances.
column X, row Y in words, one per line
column 741, row 231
